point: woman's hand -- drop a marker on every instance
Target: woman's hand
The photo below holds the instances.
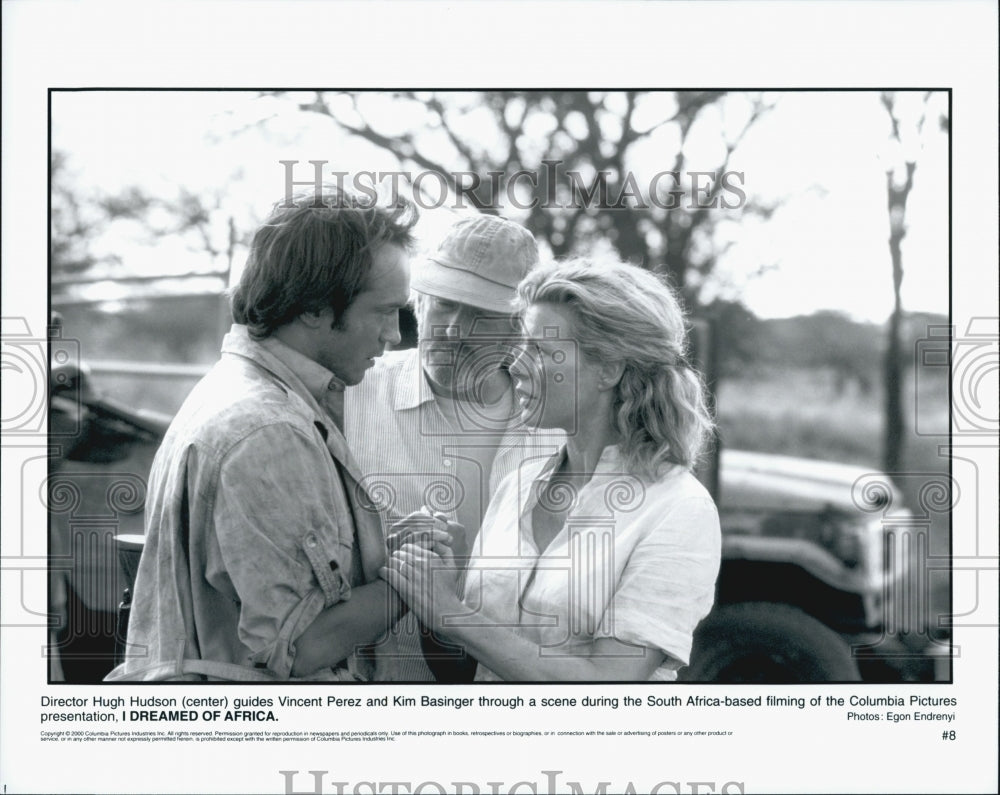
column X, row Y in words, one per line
column 426, row 581
column 430, row 531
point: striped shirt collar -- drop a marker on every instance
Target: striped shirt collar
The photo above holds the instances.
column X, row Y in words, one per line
column 411, row 389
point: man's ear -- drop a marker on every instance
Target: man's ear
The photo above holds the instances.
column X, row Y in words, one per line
column 317, row 320
column 610, row 374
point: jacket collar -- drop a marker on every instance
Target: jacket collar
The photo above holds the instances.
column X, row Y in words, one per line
column 319, row 388
column 288, row 364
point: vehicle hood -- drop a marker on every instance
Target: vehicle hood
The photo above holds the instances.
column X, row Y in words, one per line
column 751, row 481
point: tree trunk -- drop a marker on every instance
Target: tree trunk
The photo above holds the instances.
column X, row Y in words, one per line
column 892, row 456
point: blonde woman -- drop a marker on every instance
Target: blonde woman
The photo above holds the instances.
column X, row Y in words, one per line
column 599, row 562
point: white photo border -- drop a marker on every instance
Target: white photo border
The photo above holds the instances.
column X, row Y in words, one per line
column 778, row 45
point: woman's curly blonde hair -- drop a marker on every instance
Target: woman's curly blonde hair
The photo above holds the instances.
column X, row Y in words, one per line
column 628, row 315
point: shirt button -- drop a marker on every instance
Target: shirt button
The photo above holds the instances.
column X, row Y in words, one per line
column 335, row 386
column 310, row 541
column 447, row 462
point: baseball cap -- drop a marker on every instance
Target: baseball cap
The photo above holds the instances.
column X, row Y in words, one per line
column 479, row 263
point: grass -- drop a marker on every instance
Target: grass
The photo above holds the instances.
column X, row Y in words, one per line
column 801, row 412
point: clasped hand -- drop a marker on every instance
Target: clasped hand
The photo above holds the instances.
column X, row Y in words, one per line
column 432, row 531
column 421, row 566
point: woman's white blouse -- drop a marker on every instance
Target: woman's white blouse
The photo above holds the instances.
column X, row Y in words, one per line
column 635, row 560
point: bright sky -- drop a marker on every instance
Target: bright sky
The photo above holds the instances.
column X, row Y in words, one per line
column 822, row 155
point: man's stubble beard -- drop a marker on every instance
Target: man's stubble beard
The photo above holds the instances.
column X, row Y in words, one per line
column 465, row 381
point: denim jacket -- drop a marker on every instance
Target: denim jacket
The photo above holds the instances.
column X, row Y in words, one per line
column 255, row 523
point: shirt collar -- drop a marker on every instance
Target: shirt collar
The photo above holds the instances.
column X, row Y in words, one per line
column 610, row 461
column 314, row 377
column 289, row 365
column 412, row 388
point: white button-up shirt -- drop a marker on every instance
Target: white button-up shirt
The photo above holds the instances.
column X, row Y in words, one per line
column 412, row 454
column 635, row 560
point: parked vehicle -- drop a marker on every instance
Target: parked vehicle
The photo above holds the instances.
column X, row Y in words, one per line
column 810, row 577
column 101, row 456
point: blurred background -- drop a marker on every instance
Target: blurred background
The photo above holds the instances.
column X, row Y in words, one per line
column 820, row 288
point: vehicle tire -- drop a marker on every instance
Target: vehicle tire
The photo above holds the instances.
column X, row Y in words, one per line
column 766, row 642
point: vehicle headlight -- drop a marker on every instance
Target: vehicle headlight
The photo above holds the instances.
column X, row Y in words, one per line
column 855, row 541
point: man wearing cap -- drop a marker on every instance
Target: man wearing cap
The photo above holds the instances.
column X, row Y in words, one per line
column 437, row 427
